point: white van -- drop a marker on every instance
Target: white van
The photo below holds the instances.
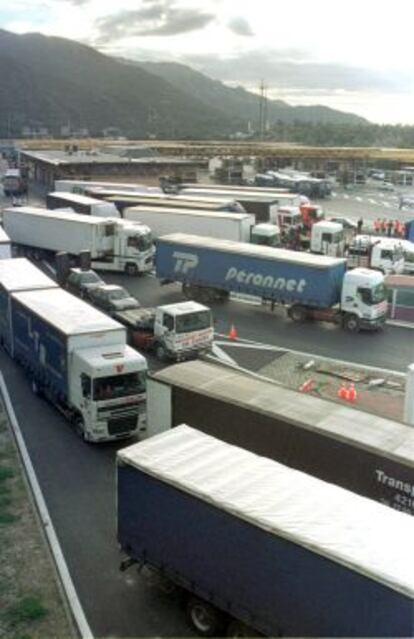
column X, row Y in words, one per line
column 384, row 254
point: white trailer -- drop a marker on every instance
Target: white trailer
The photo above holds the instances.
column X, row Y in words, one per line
column 81, row 186
column 115, row 245
column 221, row 224
column 81, row 204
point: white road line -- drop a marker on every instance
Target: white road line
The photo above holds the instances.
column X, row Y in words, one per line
column 388, row 205
column 359, row 199
column 221, row 355
column 62, row 568
column 341, row 362
column 373, row 202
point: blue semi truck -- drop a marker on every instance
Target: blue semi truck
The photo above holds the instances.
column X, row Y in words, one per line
column 309, row 286
column 257, row 547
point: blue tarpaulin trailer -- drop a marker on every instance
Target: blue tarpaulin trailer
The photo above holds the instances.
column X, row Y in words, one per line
column 256, row 543
column 274, row 274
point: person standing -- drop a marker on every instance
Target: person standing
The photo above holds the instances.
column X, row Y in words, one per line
column 390, row 224
column 360, row 224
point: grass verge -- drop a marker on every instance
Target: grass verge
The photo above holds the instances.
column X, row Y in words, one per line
column 31, row 606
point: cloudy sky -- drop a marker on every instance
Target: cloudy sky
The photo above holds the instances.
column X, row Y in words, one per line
column 353, row 55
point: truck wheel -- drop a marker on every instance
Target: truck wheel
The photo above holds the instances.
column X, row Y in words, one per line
column 131, row 269
column 204, row 618
column 351, row 323
column 79, row 427
column 187, row 291
column 297, row 313
column 239, row 629
column 160, row 352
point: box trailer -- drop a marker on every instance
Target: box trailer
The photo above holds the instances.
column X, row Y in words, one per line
column 81, row 204
column 17, row 274
column 309, row 286
column 259, row 547
column 367, row 454
column 5, row 245
column 78, row 359
column 114, row 245
column 221, row 224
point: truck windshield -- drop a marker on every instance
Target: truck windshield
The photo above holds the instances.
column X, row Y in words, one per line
column 142, row 242
column 374, row 295
column 193, row 322
column 119, row 385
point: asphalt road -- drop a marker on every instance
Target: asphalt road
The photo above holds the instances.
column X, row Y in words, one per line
column 78, row 480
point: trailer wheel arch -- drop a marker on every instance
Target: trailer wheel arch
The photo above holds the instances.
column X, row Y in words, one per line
column 206, row 620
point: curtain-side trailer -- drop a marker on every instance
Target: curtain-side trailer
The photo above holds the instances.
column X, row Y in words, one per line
column 259, row 547
column 78, row 359
column 365, row 453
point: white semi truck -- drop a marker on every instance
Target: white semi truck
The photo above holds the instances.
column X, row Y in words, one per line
column 114, row 245
column 81, row 204
column 240, row 227
column 77, row 358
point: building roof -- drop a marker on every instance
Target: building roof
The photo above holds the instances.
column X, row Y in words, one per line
column 63, row 158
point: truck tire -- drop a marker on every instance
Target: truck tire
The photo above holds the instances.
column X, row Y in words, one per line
column 204, row 618
column 78, row 426
column 239, row 629
column 351, row 323
column 160, row 352
column 297, row 313
column 131, row 269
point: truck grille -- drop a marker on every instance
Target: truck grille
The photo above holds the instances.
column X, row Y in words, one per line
column 120, row 425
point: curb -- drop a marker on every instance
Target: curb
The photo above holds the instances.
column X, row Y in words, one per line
column 71, row 596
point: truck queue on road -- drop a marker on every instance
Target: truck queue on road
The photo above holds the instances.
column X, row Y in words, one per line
column 255, row 545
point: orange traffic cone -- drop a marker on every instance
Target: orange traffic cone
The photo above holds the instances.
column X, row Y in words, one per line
column 351, row 393
column 342, row 392
column 232, row 332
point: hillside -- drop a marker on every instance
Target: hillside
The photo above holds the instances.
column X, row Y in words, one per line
column 53, row 83
column 242, row 103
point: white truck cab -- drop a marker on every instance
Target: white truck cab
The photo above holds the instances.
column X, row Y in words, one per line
column 108, row 388
column 266, row 235
column 287, row 217
column 363, row 298
column 182, row 329
column 132, row 247
column 384, row 254
column 327, row 238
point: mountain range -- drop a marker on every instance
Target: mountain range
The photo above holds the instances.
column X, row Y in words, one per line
column 58, row 84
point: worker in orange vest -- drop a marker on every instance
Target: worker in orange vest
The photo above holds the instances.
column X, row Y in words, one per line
column 377, row 225
column 383, row 225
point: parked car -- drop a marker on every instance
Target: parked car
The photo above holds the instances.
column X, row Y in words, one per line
column 346, row 222
column 81, row 282
column 111, row 298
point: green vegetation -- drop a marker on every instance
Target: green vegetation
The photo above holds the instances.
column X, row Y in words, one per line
column 30, row 603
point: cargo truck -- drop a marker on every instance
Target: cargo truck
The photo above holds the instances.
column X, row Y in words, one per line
column 114, row 245
column 14, row 182
column 257, row 547
column 81, row 204
column 263, row 205
column 77, row 358
column 309, row 286
column 240, row 227
column 122, row 199
column 383, row 253
column 17, row 274
column 172, row 331
column 370, row 455
column 82, row 186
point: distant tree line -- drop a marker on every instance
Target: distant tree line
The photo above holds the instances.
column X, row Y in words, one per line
column 319, row 134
